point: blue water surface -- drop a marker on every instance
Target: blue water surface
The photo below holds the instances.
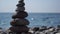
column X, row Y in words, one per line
column 35, row 19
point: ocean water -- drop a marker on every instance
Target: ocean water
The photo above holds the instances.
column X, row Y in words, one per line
column 35, row 19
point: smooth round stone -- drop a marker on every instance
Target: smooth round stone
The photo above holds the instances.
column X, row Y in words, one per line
column 21, row 0
column 19, row 29
column 20, row 14
column 19, row 22
column 20, row 5
column 20, row 9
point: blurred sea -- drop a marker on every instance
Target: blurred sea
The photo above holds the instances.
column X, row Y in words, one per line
column 36, row 19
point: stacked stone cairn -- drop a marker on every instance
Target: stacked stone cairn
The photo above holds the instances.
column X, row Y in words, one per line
column 19, row 22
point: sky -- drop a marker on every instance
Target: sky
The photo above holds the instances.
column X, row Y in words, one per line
column 31, row 6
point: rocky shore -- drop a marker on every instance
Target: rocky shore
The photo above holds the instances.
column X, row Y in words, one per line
column 45, row 30
column 37, row 30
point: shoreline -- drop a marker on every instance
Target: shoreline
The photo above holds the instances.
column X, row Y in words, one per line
column 40, row 30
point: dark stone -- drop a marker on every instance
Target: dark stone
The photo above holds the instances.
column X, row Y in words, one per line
column 43, row 28
column 36, row 28
column 50, row 27
column 19, row 29
column 20, row 14
column 20, row 5
column 18, row 32
column 19, row 22
column 0, row 28
column 21, row 0
column 20, row 9
column 12, row 33
column 26, row 33
column 58, row 26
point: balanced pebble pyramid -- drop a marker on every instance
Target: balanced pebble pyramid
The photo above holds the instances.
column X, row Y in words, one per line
column 19, row 22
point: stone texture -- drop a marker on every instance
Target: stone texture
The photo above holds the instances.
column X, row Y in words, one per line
column 21, row 0
column 20, row 14
column 18, row 22
column 20, row 9
column 19, row 29
column 28, row 33
column 20, row 5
